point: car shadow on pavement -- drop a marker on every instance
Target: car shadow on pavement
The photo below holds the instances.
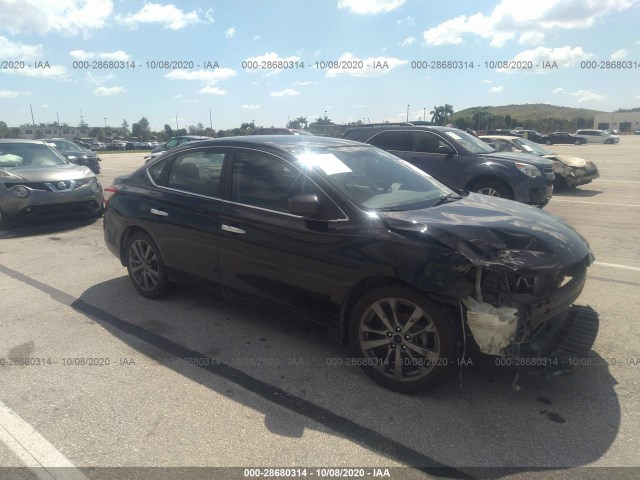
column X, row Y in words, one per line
column 490, row 419
column 576, row 192
column 47, row 228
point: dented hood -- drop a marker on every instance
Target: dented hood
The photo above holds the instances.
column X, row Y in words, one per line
column 576, row 162
column 498, row 234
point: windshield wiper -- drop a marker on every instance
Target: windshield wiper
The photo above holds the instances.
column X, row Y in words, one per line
column 444, row 198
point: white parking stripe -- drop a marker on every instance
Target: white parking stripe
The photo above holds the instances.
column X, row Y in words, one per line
column 33, row 449
column 615, row 265
column 556, row 199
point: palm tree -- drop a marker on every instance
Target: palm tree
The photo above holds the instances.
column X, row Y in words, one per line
column 447, row 112
column 436, row 115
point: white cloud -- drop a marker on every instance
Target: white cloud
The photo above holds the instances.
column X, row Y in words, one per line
column 250, row 107
column 407, row 41
column 256, row 37
column 9, row 49
column 408, row 21
column 587, row 96
column 68, row 17
column 212, row 90
column 214, row 75
column 287, row 92
column 384, row 65
column 99, row 79
column 531, row 39
column 209, row 15
column 178, row 96
column 304, row 84
column 230, row 33
column 619, row 54
column 487, row 81
column 560, row 91
column 118, row 55
column 13, row 94
column 370, row 6
column 528, row 20
column 169, row 15
column 496, row 89
column 108, row 91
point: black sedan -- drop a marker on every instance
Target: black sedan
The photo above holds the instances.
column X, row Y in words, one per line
column 564, row 138
column 76, row 154
column 404, row 269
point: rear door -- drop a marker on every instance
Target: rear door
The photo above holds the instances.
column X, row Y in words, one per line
column 184, row 211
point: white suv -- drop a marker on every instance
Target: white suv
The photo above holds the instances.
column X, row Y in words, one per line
column 598, row 136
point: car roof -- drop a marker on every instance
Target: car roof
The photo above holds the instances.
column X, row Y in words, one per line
column 501, row 137
column 289, row 143
column 22, row 140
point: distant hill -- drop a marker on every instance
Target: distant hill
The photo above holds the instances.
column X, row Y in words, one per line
column 532, row 112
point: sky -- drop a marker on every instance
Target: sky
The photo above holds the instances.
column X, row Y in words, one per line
column 187, row 62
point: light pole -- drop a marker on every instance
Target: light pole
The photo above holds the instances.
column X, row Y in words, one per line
column 424, row 114
column 408, row 112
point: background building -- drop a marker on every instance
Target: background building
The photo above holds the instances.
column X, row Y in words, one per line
column 621, row 121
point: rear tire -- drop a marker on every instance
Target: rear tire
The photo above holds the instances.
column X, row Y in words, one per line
column 578, row 142
column 406, row 341
column 146, row 269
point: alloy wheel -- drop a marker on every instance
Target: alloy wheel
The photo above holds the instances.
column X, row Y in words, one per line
column 144, row 266
column 399, row 339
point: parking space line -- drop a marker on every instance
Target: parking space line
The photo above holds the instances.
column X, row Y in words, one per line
column 615, row 265
column 556, row 199
column 34, row 450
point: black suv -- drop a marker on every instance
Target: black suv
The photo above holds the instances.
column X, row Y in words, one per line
column 462, row 161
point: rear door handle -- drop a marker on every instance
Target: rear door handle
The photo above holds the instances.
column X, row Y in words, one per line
column 230, row 229
column 159, row 213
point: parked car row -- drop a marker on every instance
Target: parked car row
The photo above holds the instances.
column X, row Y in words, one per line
column 570, row 171
column 579, row 138
column 401, row 267
column 76, row 154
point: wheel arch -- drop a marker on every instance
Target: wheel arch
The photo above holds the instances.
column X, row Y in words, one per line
column 371, row 283
column 124, row 240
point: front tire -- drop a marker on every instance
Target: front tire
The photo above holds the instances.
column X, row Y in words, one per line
column 146, row 269
column 492, row 188
column 405, row 340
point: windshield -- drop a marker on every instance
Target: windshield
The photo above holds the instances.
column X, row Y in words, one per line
column 529, row 147
column 29, row 155
column 472, row 144
column 65, row 145
column 374, row 179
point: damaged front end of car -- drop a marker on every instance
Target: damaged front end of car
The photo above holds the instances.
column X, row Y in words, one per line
column 524, row 271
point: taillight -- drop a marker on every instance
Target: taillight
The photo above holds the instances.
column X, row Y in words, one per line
column 108, row 193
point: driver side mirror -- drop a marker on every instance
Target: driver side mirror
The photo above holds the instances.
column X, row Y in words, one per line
column 304, row 205
column 446, row 150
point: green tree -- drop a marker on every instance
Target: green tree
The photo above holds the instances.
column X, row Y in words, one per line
column 136, row 131
column 168, row 130
column 124, row 128
column 300, row 123
column 4, row 130
column 145, row 132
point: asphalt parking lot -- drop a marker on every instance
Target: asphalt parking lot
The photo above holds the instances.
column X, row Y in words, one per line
column 106, row 385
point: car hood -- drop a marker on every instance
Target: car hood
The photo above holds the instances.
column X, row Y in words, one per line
column 519, row 157
column 576, row 162
column 50, row 174
column 75, row 153
column 498, row 234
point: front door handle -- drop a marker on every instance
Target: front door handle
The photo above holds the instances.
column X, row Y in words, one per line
column 159, row 213
column 230, row 229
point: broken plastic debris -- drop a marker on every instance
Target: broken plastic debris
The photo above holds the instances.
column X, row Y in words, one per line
column 493, row 328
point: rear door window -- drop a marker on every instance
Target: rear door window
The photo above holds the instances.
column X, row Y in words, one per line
column 392, row 140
